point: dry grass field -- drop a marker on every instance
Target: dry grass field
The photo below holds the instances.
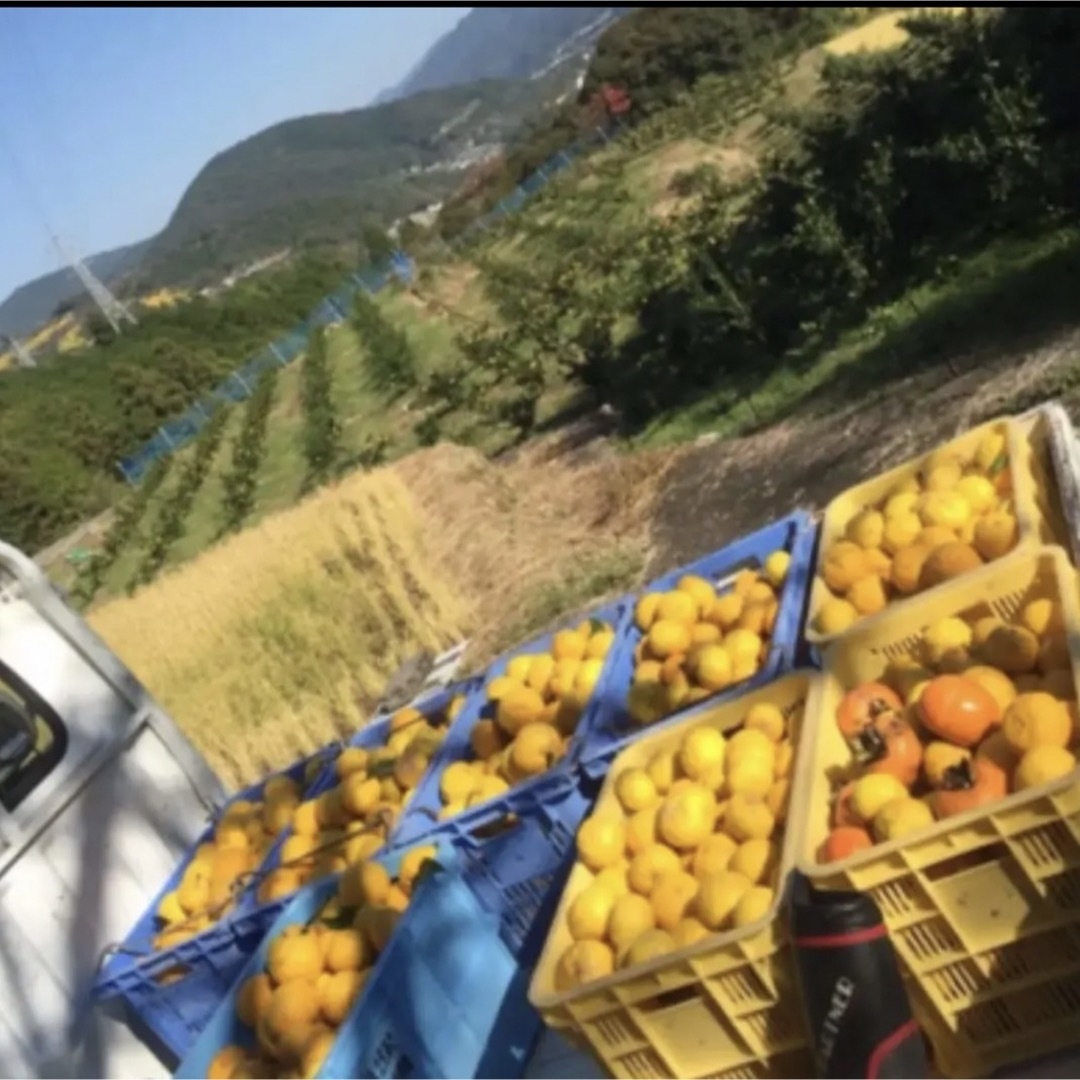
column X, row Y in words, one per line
column 884, row 32
column 281, row 638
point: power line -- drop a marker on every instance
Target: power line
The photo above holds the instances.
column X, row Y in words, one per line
column 112, row 309
column 41, row 100
column 22, row 181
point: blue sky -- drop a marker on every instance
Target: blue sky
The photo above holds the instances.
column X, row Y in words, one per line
column 110, row 112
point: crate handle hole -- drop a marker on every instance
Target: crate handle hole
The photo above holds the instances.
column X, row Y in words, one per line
column 507, row 823
column 669, row 999
column 172, row 975
column 969, row 860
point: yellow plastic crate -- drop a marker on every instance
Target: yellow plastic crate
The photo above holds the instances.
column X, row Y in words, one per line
column 983, row 909
column 1035, row 482
column 845, row 506
column 725, row 1007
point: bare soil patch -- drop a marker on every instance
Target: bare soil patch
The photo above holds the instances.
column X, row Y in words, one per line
column 718, row 491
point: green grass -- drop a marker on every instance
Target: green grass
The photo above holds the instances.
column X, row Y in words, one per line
column 203, row 524
column 363, row 414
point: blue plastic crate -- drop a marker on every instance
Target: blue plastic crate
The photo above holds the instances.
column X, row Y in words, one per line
column 445, row 998
column 209, row 962
column 807, row 654
column 373, row 735
column 516, row 852
column 421, row 815
column 607, row 727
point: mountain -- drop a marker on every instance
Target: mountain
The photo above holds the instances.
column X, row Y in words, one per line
column 34, row 303
column 316, row 180
column 514, row 42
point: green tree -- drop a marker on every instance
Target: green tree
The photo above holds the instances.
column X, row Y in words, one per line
column 377, row 244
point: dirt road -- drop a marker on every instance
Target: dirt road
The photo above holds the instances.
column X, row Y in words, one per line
column 721, row 490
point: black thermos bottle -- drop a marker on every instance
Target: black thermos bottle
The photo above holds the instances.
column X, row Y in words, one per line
column 856, row 1007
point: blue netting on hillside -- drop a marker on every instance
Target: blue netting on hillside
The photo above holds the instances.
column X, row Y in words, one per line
column 332, row 309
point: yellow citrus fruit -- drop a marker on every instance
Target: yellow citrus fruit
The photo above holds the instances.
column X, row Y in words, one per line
column 713, row 854
column 947, row 508
column 663, row 768
column 726, row 610
column 867, row 596
column 843, row 565
column 718, row 897
column 872, row 791
column 901, row 531
column 978, row 492
column 835, row 616
column 1036, row 719
column 747, row 817
column 750, row 744
column 601, row 840
column 766, row 718
column 991, row 451
column 701, row 751
column 228, row 1062
column 582, row 963
column 588, row 913
column 253, row 998
column 1043, row 617
column 867, row 529
column 614, row 878
column 686, row 816
column 1041, row 765
column 700, row 590
column 942, row 475
column 641, row 830
column 502, row 685
column 298, row 956
column 677, row 606
column 648, row 947
column 630, row 917
column 519, row 707
column 742, row 645
column 569, row 645
column 705, row 633
column 669, row 637
column 901, row 816
column 689, row 932
column 600, row 644
column 712, row 667
column 996, row 534
column 756, row 860
column 945, row 638
column 651, row 864
column 753, row 905
column 902, row 502
column 672, row 898
column 645, row 611
column 635, row 790
column 776, row 568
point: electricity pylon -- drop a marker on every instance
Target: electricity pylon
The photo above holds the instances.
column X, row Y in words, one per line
column 114, row 311
column 22, row 354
